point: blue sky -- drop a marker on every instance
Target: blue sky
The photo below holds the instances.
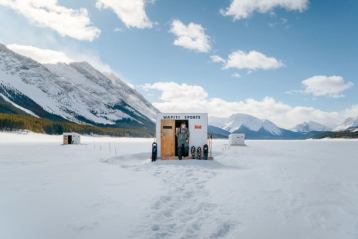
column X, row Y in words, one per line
column 303, row 66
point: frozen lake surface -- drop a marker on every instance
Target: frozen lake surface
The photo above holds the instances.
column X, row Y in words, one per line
column 107, row 188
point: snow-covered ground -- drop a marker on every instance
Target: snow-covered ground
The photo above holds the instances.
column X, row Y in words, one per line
column 107, row 188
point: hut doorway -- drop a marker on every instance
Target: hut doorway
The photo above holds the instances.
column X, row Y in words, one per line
column 177, row 127
column 69, row 139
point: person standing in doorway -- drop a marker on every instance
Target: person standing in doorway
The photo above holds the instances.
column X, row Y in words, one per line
column 183, row 140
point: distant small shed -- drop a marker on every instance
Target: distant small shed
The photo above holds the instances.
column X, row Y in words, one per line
column 237, row 139
column 71, row 138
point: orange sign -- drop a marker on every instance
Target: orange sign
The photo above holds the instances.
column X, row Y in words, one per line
column 198, row 126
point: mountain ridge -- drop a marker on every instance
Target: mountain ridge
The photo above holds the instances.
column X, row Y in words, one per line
column 248, row 124
column 347, row 124
column 255, row 128
column 75, row 92
column 310, row 126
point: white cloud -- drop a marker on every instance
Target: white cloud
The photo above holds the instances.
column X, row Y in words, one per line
column 241, row 9
column 252, row 60
column 176, row 97
column 191, row 36
column 49, row 56
column 351, row 112
column 217, row 59
column 332, row 86
column 49, row 13
column 171, row 91
column 40, row 55
column 130, row 12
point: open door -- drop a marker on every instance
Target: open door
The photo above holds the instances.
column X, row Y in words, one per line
column 177, row 126
column 167, row 139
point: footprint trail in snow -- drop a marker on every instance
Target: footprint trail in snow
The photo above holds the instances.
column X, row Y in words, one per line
column 184, row 210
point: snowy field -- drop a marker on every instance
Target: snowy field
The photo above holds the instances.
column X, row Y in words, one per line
column 107, row 188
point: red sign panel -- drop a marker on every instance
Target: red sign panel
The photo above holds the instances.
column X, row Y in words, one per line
column 198, row 126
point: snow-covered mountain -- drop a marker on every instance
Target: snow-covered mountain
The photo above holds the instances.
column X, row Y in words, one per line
column 256, row 128
column 217, row 132
column 76, row 92
column 349, row 123
column 253, row 127
column 237, row 121
column 310, row 126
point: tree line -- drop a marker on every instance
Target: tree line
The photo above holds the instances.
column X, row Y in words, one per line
column 12, row 122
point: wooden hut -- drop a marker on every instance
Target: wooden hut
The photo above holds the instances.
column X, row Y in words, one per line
column 167, row 125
